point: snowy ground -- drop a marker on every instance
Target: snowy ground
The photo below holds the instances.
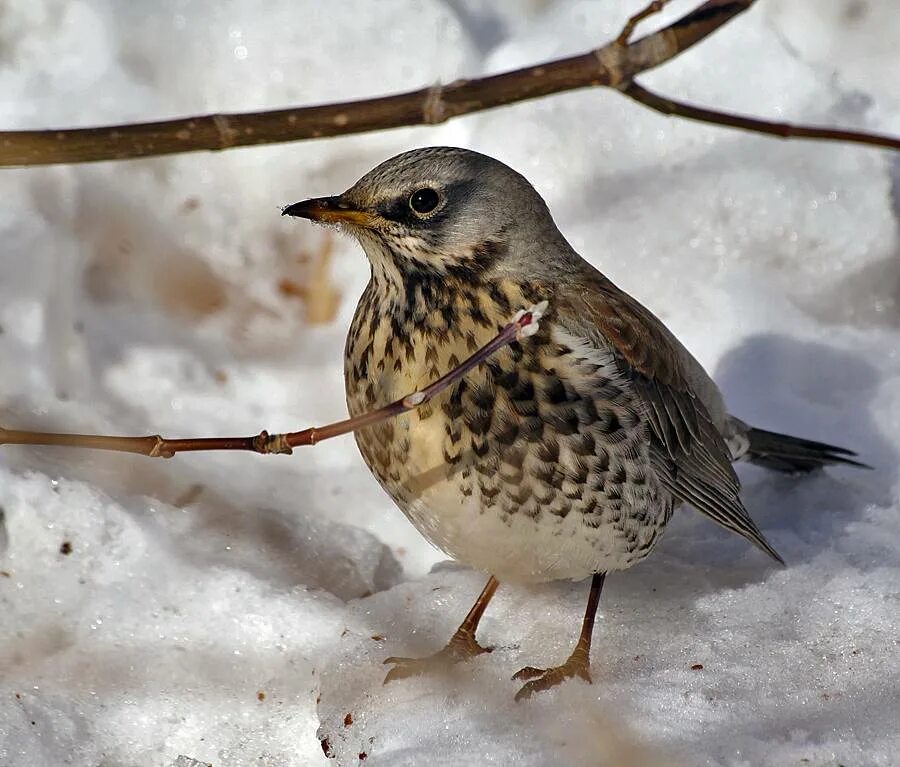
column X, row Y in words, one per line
column 235, row 609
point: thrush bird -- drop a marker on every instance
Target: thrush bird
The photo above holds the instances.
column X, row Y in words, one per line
column 561, row 457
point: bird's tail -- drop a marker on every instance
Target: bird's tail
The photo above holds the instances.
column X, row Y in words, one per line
column 794, row 455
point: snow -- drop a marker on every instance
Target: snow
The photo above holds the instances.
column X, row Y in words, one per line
column 236, row 609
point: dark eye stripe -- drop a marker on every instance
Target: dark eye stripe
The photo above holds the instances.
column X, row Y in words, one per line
column 400, row 210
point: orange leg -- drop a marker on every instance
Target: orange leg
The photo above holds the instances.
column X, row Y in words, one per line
column 461, row 647
column 579, row 661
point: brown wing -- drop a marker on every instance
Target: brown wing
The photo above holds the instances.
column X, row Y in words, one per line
column 687, row 450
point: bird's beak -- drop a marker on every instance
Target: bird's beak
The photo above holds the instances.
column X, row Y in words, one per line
column 329, row 210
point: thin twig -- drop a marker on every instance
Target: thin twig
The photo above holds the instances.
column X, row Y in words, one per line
column 628, row 30
column 612, row 66
column 523, row 325
column 783, row 130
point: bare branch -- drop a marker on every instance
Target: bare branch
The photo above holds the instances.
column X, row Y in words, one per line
column 614, row 65
column 523, row 325
column 783, row 130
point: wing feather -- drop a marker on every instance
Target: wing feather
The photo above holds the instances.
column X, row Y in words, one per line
column 688, row 452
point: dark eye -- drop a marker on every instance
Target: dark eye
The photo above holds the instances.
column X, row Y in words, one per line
column 424, row 200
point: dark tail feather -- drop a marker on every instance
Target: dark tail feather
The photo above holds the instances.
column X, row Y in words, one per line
column 794, row 455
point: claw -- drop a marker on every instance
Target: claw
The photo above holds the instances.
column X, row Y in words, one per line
column 529, row 672
column 460, row 648
column 544, row 679
column 407, row 667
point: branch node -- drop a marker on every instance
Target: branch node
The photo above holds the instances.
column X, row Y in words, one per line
column 433, row 108
column 159, row 449
column 612, row 70
column 268, row 444
column 227, row 134
column 414, row 400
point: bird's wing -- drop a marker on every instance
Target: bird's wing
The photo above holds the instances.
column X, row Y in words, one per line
column 687, row 450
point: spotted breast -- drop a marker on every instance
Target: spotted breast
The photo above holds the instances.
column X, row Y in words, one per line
column 535, row 466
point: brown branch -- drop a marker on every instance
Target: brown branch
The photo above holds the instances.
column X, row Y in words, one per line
column 523, row 325
column 783, row 130
column 613, row 65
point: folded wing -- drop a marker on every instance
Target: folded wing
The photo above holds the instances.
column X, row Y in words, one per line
column 687, row 450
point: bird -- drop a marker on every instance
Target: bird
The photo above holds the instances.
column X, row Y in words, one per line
column 561, row 457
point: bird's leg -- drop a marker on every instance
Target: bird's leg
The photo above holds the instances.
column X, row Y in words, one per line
column 461, row 647
column 579, row 661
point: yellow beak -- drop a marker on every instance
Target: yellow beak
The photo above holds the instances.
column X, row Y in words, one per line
column 329, row 210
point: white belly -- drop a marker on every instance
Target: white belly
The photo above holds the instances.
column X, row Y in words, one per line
column 517, row 548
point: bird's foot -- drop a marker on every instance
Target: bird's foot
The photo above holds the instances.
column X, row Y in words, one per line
column 541, row 679
column 461, row 647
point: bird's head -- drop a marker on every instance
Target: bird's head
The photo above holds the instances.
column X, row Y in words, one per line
column 441, row 211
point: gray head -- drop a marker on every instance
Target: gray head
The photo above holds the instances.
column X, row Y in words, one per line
column 443, row 210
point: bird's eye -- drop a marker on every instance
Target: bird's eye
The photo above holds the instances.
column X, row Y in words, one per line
column 424, row 200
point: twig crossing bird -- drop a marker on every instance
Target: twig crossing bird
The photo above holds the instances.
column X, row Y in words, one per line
column 561, row 457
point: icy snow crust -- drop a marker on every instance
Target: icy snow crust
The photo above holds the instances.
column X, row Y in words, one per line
column 235, row 609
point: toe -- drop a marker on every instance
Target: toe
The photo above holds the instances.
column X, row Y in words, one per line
column 403, row 668
column 545, row 679
column 525, row 693
column 544, row 682
column 529, row 672
column 402, row 671
column 393, row 675
column 541, row 679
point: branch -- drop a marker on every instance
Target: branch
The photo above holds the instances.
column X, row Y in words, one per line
column 783, row 130
column 612, row 66
column 523, row 325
